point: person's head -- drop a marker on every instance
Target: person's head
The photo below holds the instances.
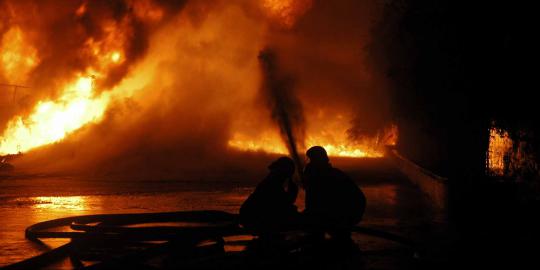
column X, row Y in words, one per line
column 317, row 156
column 283, row 166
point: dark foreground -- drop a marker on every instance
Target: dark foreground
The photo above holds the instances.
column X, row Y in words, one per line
column 395, row 207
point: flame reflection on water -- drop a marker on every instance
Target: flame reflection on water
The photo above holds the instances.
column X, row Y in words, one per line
column 78, row 203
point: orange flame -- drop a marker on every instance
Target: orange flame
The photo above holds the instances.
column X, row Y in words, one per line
column 78, row 105
column 51, row 121
column 332, row 136
column 500, row 145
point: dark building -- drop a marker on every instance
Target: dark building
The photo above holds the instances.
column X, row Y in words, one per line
column 463, row 73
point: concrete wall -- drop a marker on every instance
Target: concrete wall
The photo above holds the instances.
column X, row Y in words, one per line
column 433, row 185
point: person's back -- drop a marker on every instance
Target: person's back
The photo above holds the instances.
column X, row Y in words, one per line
column 333, row 201
column 270, row 207
column 346, row 199
column 331, row 192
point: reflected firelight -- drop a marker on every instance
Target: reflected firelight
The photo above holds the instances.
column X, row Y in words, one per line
column 79, row 203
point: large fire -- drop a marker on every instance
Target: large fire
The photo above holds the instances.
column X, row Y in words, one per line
column 84, row 96
column 51, row 120
column 77, row 103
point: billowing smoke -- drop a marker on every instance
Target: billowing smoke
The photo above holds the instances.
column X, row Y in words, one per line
column 171, row 114
column 183, row 78
column 330, row 54
column 285, row 107
column 47, row 43
column 70, row 36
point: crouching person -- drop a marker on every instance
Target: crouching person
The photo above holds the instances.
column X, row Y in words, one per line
column 334, row 203
column 270, row 209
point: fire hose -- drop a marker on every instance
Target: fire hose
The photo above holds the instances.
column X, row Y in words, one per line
column 110, row 228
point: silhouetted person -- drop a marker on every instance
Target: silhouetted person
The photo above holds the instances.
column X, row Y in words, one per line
column 334, row 203
column 270, row 208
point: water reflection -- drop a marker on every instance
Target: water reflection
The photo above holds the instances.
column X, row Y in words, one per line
column 60, row 203
column 382, row 203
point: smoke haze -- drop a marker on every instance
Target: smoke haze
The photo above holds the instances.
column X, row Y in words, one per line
column 285, row 108
column 189, row 78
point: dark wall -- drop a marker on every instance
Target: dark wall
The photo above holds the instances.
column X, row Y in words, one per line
column 455, row 67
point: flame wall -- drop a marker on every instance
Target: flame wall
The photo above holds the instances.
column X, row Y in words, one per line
column 177, row 83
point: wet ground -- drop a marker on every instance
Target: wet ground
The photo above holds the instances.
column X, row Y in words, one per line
column 394, row 205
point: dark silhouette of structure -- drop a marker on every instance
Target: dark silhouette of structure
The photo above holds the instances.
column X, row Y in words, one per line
column 270, row 208
column 334, row 203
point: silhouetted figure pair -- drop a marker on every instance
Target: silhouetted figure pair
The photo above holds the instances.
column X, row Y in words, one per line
column 334, row 203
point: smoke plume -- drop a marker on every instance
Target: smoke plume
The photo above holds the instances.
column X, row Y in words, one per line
column 284, row 105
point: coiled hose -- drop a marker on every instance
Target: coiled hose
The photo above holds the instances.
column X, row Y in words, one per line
column 111, row 228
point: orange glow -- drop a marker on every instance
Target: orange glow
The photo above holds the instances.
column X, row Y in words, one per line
column 269, row 142
column 81, row 10
column 286, row 12
column 500, row 146
column 77, row 105
column 332, row 135
column 273, row 144
column 108, row 51
column 146, row 10
column 51, row 121
column 60, row 203
column 17, row 58
column 115, row 57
